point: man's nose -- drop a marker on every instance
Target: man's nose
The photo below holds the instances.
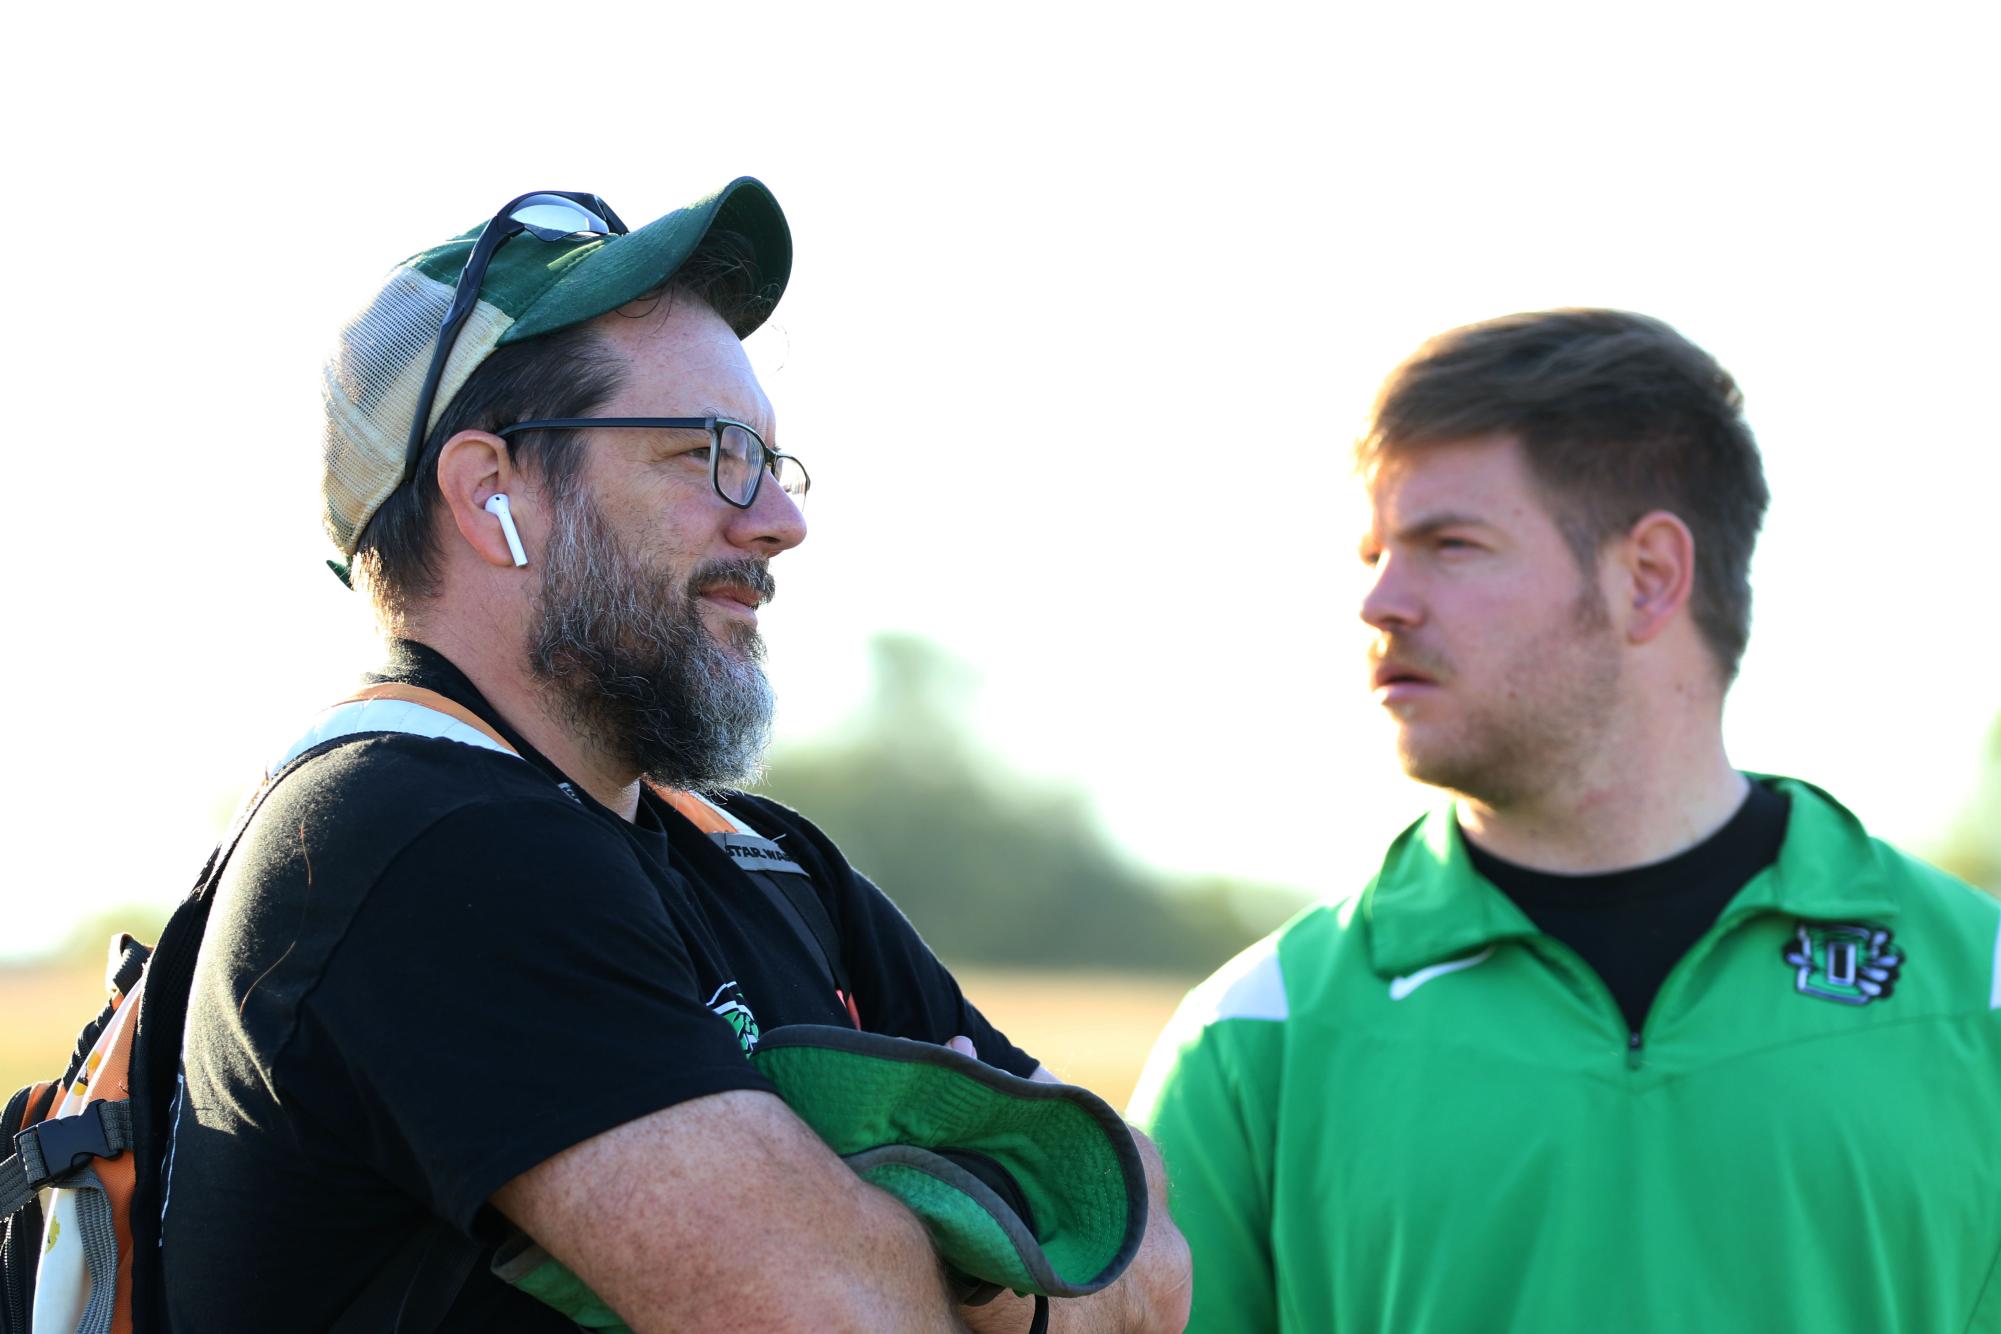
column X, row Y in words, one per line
column 1391, row 600
column 773, row 523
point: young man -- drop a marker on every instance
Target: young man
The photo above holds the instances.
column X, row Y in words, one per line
column 1620, row 1038
column 510, row 974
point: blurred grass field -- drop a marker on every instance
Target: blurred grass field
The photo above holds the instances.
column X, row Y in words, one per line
column 45, row 1005
column 1091, row 1028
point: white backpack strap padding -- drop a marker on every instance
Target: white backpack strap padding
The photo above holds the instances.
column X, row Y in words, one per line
column 385, row 715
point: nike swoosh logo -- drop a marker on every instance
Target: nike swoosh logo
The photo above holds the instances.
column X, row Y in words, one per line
column 1403, row 986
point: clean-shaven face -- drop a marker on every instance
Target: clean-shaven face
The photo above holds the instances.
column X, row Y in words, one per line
column 1493, row 654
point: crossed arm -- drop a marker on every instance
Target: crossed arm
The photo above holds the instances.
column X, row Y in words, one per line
column 727, row 1213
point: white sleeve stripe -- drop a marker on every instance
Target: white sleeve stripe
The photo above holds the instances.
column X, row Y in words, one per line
column 1249, row 986
column 1253, row 989
column 1994, row 994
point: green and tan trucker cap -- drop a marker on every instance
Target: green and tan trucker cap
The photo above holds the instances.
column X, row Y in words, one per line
column 376, row 370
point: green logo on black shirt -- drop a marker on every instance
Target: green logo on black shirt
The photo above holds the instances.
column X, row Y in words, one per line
column 730, row 1004
column 1849, row 962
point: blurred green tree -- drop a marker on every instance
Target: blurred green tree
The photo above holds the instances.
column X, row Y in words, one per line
column 991, row 866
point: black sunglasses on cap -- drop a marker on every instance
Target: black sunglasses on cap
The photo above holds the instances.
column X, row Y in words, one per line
column 547, row 215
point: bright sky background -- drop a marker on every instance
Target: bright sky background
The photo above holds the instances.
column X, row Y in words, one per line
column 1086, row 304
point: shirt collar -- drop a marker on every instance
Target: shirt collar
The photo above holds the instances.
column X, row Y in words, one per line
column 1428, row 904
column 1829, row 869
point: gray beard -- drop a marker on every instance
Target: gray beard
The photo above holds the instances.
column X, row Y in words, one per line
column 629, row 663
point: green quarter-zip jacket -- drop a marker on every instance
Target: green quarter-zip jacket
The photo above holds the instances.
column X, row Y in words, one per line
column 1410, row 1111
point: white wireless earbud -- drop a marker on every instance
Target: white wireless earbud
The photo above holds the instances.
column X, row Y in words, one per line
column 496, row 505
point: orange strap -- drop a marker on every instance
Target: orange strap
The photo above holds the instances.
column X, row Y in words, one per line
column 696, row 811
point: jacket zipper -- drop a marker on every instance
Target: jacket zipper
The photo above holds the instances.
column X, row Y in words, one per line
column 1683, row 966
column 1573, row 963
column 1636, row 1039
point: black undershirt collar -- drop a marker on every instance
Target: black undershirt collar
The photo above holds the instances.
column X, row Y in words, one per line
column 1632, row 926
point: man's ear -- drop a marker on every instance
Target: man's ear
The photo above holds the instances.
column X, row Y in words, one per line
column 1658, row 559
column 472, row 466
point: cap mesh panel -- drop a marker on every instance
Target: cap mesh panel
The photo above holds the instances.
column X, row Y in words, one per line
column 369, row 392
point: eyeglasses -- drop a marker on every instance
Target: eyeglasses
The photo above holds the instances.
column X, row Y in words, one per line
column 547, row 215
column 739, row 460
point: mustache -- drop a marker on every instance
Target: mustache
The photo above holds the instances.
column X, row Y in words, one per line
column 1408, row 655
column 745, row 572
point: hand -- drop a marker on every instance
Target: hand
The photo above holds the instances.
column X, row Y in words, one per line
column 1151, row 1297
column 1159, row 1284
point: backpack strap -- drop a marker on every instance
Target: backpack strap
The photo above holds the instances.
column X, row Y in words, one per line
column 59, row 1150
column 794, row 898
column 47, row 1153
column 395, row 707
column 52, row 1151
column 21, row 1233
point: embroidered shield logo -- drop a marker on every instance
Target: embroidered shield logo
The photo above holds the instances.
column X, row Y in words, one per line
column 1850, row 962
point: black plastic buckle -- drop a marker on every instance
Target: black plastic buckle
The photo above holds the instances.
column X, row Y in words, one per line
column 68, row 1143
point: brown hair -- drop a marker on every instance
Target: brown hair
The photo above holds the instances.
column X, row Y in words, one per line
column 1618, row 415
column 568, row 373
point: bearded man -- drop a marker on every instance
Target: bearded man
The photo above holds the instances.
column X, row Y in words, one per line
column 493, row 956
column 1619, row 1038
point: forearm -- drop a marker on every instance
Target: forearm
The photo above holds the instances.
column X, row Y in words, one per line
column 892, row 1279
column 725, row 1213
column 876, row 1271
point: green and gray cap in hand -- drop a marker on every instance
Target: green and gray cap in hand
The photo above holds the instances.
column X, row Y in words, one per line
column 1032, row 1187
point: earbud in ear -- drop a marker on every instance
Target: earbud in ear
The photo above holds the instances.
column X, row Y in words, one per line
column 496, row 505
